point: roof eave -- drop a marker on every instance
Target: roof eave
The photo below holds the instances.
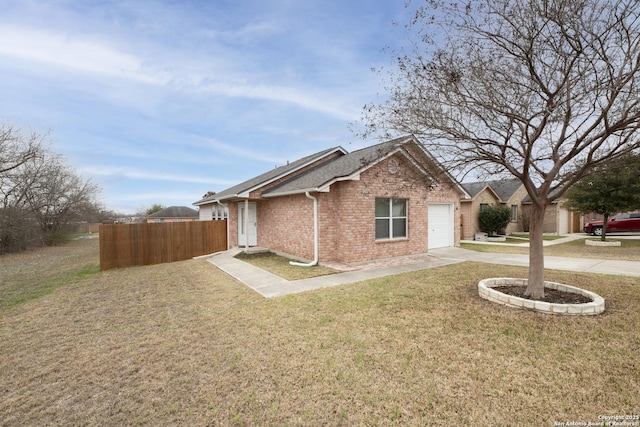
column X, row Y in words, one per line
column 299, row 191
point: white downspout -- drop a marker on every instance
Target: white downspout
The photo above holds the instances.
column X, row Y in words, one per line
column 315, row 235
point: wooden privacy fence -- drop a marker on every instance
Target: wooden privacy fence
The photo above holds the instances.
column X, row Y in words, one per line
column 124, row 245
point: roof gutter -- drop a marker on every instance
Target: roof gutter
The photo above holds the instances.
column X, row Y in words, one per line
column 315, row 235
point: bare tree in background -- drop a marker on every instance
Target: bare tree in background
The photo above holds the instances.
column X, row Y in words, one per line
column 56, row 195
column 39, row 193
column 18, row 229
column 541, row 90
column 16, row 148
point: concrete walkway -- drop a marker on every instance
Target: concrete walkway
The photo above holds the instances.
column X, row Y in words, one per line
column 269, row 285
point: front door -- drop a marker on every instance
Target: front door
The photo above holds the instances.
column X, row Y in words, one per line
column 251, row 227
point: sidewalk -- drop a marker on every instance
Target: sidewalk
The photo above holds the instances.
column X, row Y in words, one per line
column 269, row 285
column 525, row 243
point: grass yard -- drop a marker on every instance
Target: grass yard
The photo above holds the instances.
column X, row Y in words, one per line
column 185, row 344
column 629, row 250
column 280, row 266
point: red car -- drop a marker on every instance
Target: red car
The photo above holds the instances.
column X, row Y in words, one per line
column 629, row 221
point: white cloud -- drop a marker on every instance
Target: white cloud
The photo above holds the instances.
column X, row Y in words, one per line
column 235, row 150
column 219, row 75
column 80, row 55
column 137, row 174
column 154, row 196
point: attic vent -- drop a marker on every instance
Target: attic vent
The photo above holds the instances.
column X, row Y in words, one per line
column 393, row 166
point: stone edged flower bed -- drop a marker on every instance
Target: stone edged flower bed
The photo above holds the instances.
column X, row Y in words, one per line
column 589, row 242
column 486, row 291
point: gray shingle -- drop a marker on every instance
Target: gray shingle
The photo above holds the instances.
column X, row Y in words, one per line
column 271, row 175
column 340, row 167
column 473, row 188
column 504, row 188
column 175, row 212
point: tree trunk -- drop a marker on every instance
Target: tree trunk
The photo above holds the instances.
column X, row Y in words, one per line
column 604, row 227
column 535, row 285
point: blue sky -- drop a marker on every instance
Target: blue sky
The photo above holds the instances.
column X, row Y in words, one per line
column 162, row 101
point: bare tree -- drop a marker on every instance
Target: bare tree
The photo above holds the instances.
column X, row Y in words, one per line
column 18, row 228
column 17, row 148
column 56, row 194
column 542, row 90
column 37, row 191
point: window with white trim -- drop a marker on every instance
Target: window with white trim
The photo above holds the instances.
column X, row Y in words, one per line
column 514, row 213
column 391, row 218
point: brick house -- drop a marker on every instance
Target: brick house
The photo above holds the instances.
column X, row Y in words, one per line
column 512, row 193
column 391, row 199
column 508, row 192
column 557, row 218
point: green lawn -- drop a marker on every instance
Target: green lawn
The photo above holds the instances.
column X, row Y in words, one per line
column 280, row 266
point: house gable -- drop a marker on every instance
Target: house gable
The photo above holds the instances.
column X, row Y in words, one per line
column 349, row 168
column 508, row 192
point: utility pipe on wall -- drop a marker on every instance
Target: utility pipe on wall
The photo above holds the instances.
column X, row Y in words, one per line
column 315, row 235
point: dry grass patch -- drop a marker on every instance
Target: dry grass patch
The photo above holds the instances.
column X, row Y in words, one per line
column 39, row 271
column 184, row 344
column 280, row 266
column 629, row 250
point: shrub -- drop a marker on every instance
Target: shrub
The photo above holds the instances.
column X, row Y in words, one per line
column 494, row 218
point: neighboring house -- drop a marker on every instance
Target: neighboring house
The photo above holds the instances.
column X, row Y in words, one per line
column 508, row 192
column 209, row 209
column 173, row 214
column 391, row 199
column 557, row 218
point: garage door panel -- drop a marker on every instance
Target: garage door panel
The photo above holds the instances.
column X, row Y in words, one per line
column 440, row 224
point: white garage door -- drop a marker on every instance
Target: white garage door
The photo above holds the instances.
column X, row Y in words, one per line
column 440, row 226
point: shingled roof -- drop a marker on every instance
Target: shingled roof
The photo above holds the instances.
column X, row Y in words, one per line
column 504, row 188
column 175, row 212
column 321, row 176
column 340, row 168
column 267, row 177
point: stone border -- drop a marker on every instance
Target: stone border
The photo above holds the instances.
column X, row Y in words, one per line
column 596, row 306
column 589, row 242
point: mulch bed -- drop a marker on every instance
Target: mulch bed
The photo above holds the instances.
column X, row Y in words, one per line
column 550, row 295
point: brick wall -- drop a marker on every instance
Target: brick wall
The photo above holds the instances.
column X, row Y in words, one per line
column 233, row 224
column 470, row 220
column 550, row 217
column 516, row 199
column 285, row 224
column 347, row 216
column 349, row 231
